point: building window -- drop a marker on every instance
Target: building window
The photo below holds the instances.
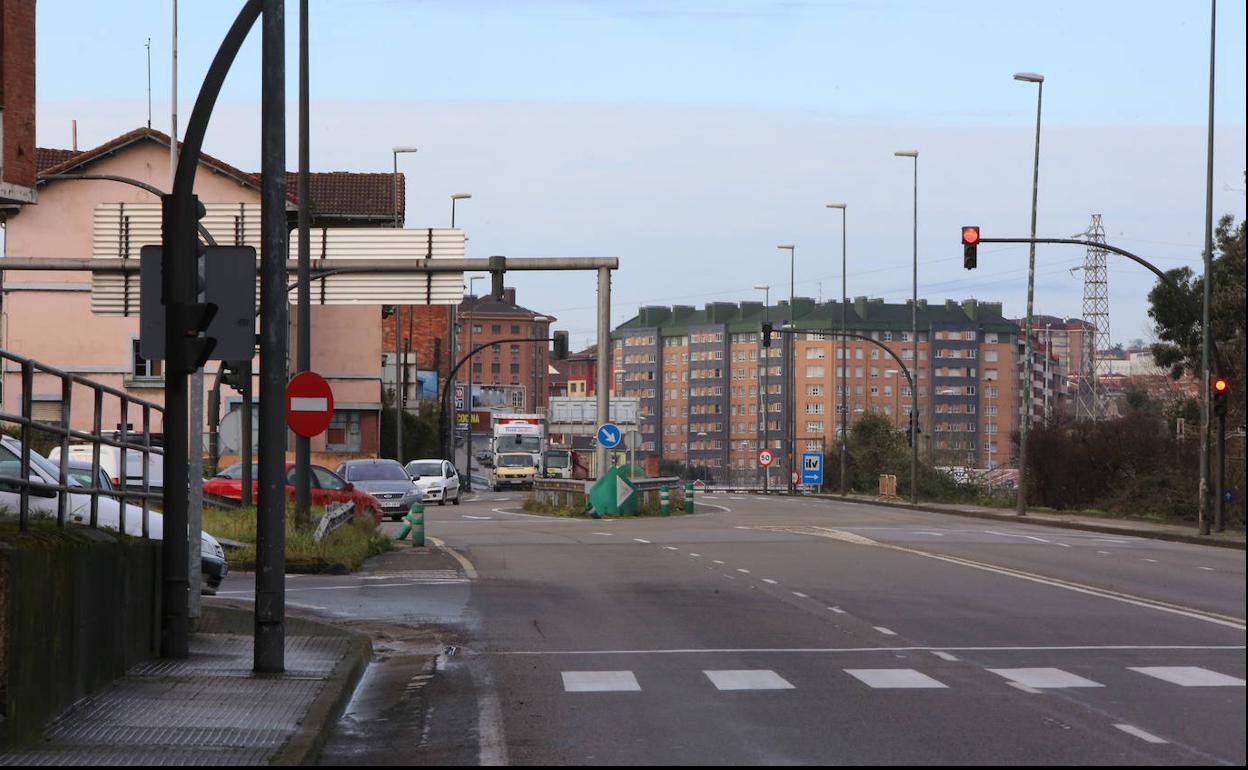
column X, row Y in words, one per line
column 141, row 368
column 515, row 328
column 343, row 434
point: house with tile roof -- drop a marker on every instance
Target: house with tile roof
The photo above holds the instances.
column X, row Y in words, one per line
column 48, row 315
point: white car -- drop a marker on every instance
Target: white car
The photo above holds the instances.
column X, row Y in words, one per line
column 437, row 479
column 110, row 462
column 108, row 512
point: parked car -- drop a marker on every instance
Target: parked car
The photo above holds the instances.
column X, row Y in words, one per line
column 110, row 461
column 438, row 479
column 81, row 472
column 108, row 511
column 485, row 458
column 327, row 488
column 385, row 480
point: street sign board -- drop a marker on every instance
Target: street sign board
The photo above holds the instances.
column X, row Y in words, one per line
column 632, row 440
column 459, row 397
column 766, row 458
column 309, row 404
column 609, row 435
column 812, row 468
column 229, row 283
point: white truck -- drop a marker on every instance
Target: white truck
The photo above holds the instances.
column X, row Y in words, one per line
column 520, row 433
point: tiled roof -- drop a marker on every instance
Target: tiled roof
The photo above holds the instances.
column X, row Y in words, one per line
column 335, row 194
column 486, row 305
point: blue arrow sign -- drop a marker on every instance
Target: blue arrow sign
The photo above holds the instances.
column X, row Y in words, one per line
column 812, row 468
column 609, row 435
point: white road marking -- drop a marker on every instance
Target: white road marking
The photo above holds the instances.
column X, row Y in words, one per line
column 1151, row 561
column 671, row 548
column 1011, row 534
column 894, row 678
column 639, row 540
column 723, row 508
column 600, row 681
column 837, row 610
column 1063, row 545
column 1142, row 735
column 306, row 606
column 936, row 534
column 604, row 534
column 1206, row 569
column 469, row 570
column 1189, row 676
column 695, row 555
column 885, row 631
column 736, row 498
column 1044, row 678
column 743, row 571
column 481, row 518
column 944, row 655
column 756, row 679
column 800, row 595
column 1025, row 688
column 719, row 561
column 1103, row 553
column 769, row 581
column 838, row 650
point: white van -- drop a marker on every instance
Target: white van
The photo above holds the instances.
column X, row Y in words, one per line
column 110, row 461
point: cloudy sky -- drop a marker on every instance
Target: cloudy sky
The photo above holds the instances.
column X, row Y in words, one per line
column 689, row 138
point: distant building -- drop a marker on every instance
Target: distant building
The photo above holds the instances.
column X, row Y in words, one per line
column 511, row 374
column 17, row 104
column 710, row 393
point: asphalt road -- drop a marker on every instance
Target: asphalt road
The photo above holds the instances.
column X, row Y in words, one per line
column 778, row 630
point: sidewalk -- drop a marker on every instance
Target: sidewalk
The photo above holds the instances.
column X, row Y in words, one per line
column 210, row 709
column 1180, row 533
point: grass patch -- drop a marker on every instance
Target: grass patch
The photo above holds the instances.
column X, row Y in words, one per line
column 41, row 533
column 343, row 551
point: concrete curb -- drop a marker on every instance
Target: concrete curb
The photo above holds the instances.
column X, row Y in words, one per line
column 309, row 738
column 1043, row 520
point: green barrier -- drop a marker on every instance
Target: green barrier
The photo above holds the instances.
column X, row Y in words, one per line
column 688, row 497
column 413, row 522
column 665, row 504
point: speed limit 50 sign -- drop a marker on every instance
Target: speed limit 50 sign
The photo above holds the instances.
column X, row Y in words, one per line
column 766, row 458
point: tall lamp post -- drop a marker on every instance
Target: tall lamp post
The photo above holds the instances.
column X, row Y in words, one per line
column 472, row 291
column 763, row 402
column 843, row 407
column 398, row 325
column 457, row 197
column 1025, row 424
column 914, row 338
column 790, row 362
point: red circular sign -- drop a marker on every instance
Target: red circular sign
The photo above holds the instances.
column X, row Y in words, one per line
column 766, row 458
column 309, row 404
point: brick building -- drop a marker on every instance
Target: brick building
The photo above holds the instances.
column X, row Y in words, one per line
column 511, row 374
column 703, row 378
column 17, row 102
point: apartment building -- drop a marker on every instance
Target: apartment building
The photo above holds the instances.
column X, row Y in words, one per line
column 712, row 395
column 511, row 373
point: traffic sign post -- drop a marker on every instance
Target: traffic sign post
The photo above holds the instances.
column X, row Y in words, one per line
column 309, row 404
column 812, row 469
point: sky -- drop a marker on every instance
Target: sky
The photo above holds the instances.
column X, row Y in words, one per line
column 690, row 137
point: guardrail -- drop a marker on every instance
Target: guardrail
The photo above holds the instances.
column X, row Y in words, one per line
column 647, row 484
column 28, row 483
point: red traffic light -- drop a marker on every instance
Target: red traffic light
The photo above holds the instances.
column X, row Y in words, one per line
column 970, row 236
column 1220, row 385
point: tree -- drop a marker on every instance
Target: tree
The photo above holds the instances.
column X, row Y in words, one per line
column 1177, row 315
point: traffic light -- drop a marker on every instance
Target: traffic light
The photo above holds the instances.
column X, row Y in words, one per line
column 498, row 266
column 235, row 374
column 1221, row 388
column 970, row 242
column 767, row 327
column 561, row 345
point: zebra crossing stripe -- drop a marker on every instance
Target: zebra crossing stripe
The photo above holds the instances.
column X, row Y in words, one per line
column 894, row 678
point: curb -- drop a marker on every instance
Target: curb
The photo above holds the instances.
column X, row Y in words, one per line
column 309, row 738
column 1105, row 529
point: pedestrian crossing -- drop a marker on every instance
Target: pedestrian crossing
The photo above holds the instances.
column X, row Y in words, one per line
column 1026, row 679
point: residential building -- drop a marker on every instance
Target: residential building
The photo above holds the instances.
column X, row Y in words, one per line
column 17, row 104
column 511, row 372
column 712, row 395
column 48, row 316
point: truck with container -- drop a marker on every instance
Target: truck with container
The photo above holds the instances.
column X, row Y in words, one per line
column 519, row 433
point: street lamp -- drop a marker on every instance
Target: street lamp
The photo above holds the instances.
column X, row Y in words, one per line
column 843, row 407
column 1021, row 510
column 472, row 279
column 914, row 338
column 790, row 362
column 457, row 197
column 395, row 152
column 766, row 289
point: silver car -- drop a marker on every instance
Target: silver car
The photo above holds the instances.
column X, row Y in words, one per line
column 384, row 480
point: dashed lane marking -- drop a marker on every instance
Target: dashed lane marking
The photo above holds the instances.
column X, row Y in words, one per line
column 894, row 678
column 885, row 631
column 944, row 655
column 769, row 581
column 639, row 540
column 1189, row 676
column 1044, row 678
column 800, row 595
column 750, row 679
column 600, row 681
column 1141, row 734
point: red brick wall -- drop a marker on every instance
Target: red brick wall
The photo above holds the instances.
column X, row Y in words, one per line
column 428, row 323
column 17, row 79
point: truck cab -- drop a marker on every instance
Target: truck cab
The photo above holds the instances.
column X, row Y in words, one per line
column 514, row 469
column 557, row 464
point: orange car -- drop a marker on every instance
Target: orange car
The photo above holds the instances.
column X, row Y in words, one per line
column 328, row 488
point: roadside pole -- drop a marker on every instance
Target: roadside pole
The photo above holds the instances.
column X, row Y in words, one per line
column 604, row 360
column 303, row 353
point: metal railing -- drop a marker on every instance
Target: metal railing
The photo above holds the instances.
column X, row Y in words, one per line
column 28, row 483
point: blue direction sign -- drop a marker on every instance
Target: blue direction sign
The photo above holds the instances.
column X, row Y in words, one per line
column 812, row 468
column 609, row 435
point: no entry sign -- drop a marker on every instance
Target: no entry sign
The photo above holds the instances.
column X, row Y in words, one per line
column 309, row 404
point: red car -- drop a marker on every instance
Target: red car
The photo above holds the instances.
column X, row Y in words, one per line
column 328, row 488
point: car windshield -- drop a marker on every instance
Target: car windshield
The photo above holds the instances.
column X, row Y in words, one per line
column 557, row 460
column 518, row 443
column 390, row 471
column 424, row 469
column 515, row 461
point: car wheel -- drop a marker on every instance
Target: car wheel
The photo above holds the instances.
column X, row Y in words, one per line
column 456, row 500
column 443, row 500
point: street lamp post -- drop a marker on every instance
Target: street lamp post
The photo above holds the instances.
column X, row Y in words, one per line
column 914, row 339
column 457, row 197
column 472, row 279
column 766, row 289
column 790, row 362
column 843, row 407
column 398, row 326
column 1025, row 425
